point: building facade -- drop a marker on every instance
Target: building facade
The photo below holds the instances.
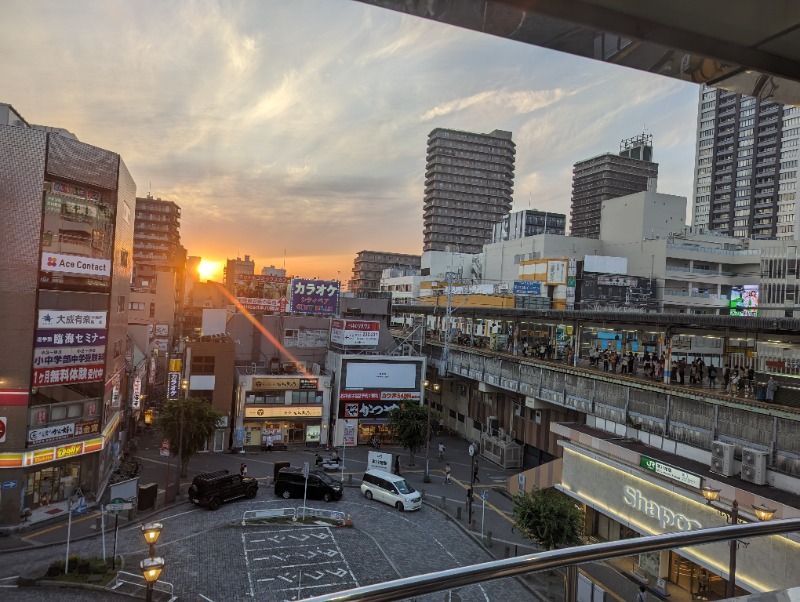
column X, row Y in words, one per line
column 529, row 222
column 469, row 183
column 746, row 166
column 369, row 265
column 236, row 267
column 609, row 176
column 66, row 256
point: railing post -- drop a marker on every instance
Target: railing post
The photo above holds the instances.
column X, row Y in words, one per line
column 571, row 583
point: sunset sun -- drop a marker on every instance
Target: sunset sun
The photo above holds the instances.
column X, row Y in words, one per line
column 207, row 269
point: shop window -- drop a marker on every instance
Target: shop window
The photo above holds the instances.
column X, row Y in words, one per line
column 203, row 364
column 266, row 397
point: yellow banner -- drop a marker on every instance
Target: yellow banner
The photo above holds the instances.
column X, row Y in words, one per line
column 287, row 412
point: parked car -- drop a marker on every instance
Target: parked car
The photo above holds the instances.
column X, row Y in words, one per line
column 321, row 486
column 390, row 489
column 212, row 489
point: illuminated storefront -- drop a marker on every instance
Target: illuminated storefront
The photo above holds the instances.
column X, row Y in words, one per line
column 627, row 499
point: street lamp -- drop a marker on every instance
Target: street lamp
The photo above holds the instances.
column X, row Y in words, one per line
column 151, row 567
column 436, row 387
column 732, row 516
column 185, row 387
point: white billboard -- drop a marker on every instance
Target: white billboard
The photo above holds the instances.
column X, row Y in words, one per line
column 381, row 375
column 75, row 264
column 357, row 333
column 603, row 264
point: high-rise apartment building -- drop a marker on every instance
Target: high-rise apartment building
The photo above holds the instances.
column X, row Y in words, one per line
column 529, row 222
column 609, row 176
column 369, row 265
column 65, row 269
column 746, row 166
column 469, row 182
column 159, row 271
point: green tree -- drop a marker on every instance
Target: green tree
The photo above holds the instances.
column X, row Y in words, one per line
column 549, row 517
column 410, row 425
column 199, row 423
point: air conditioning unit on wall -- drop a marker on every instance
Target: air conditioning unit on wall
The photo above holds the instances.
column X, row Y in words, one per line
column 754, row 466
column 722, row 458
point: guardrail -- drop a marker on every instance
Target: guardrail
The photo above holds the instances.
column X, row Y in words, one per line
column 125, row 578
column 570, row 558
column 294, row 513
column 253, row 515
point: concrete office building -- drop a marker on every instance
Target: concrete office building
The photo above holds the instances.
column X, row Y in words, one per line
column 609, row 176
column 369, row 265
column 66, row 256
column 746, row 166
column 529, row 222
column 234, row 267
column 469, row 182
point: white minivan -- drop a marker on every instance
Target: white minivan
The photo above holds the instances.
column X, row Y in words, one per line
column 390, row 489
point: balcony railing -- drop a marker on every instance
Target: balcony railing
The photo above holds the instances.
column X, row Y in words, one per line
column 417, row 585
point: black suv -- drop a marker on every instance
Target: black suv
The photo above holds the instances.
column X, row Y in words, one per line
column 291, row 483
column 213, row 488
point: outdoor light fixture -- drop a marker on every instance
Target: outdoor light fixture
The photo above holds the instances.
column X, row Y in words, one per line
column 733, row 517
column 151, row 567
column 185, row 384
column 426, row 383
column 151, row 532
column 151, row 570
column 436, row 387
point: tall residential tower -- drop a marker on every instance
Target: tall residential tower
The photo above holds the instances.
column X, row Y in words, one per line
column 469, row 182
column 609, row 176
column 746, row 166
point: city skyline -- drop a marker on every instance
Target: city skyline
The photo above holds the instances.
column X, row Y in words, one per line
column 297, row 132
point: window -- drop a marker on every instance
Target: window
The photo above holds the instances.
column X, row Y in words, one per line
column 152, row 310
column 203, row 364
column 123, row 258
column 306, row 397
column 118, row 348
column 120, row 304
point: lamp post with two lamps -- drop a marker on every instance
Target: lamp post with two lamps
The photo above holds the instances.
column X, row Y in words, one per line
column 732, row 516
column 151, row 567
column 435, row 387
column 185, row 387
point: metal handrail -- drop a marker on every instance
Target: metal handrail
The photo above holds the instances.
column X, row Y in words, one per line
column 417, row 585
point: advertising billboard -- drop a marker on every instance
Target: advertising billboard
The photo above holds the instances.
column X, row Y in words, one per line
column 527, row 287
column 744, row 300
column 319, row 297
column 356, row 333
column 556, row 272
column 261, row 294
column 380, row 375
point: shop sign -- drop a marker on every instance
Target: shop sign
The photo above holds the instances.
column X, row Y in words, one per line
column 174, row 385
column 356, row 333
column 70, row 337
column 671, row 472
column 3, row 428
column 67, row 451
column 175, row 365
column 68, row 356
column 67, row 376
column 75, row 264
column 87, row 427
column 279, row 383
column 283, row 412
column 359, row 395
column 44, row 455
column 376, row 410
column 71, row 318
column 349, row 435
column 527, row 287
column 401, row 396
column 137, row 393
column 314, row 296
column 51, row 433
column 379, row 461
column 351, row 409
column 162, row 330
column 258, row 304
column 665, row 516
column 556, row 272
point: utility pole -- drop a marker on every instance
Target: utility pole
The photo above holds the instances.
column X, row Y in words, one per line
column 448, row 314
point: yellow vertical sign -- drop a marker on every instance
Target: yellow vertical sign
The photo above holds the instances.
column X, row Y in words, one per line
column 175, row 365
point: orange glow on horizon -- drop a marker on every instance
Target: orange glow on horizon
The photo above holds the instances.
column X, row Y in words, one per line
column 209, row 269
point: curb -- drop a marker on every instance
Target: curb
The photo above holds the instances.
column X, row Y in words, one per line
column 139, row 518
column 469, row 533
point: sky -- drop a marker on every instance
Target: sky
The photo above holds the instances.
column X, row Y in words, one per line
column 295, row 132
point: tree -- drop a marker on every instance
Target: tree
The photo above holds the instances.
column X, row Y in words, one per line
column 199, row 423
column 549, row 517
column 410, row 425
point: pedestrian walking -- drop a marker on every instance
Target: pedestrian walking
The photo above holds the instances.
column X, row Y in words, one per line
column 269, row 443
column 243, row 469
column 772, row 386
column 441, row 451
column 712, row 376
column 475, row 478
column 641, row 596
column 447, row 473
column 397, row 465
